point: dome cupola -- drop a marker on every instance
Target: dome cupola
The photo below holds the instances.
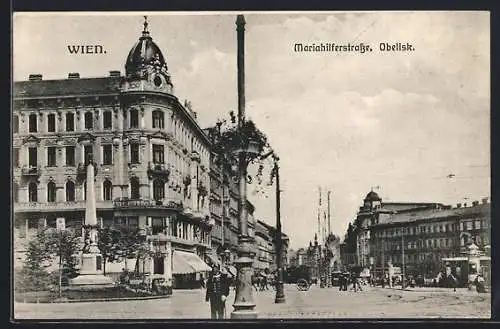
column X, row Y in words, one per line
column 145, row 60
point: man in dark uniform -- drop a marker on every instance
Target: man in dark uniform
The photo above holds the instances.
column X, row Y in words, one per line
column 217, row 292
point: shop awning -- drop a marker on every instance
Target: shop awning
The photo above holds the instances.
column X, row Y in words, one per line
column 191, row 260
column 180, row 264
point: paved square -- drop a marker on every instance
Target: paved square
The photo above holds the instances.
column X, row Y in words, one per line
column 374, row 303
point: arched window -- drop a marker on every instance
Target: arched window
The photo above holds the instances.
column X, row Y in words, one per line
column 15, row 195
column 107, row 188
column 89, row 124
column 134, row 118
column 33, row 192
column 158, row 189
column 51, row 192
column 158, row 119
column 70, row 191
column 134, row 188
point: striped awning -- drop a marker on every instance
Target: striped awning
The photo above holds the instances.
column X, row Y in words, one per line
column 180, row 265
column 187, row 262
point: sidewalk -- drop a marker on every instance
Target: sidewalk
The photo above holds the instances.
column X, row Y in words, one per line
column 461, row 291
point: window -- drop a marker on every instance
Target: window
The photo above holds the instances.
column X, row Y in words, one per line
column 70, row 156
column 158, row 120
column 158, row 153
column 134, row 188
column 469, row 226
column 15, row 192
column 462, row 226
column 107, row 120
column 134, row 153
column 88, row 153
column 70, row 122
column 89, row 124
column 107, row 190
column 32, row 157
column 15, row 124
column 33, row 124
column 134, row 119
column 51, row 156
column 158, row 189
column 15, row 157
column 477, row 224
column 51, row 123
column 70, row 191
column 107, row 153
column 51, row 192
column 33, row 192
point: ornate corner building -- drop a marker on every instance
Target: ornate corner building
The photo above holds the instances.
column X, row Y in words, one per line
column 152, row 157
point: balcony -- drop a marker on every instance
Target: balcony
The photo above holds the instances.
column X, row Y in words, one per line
column 148, row 203
column 158, row 170
column 31, row 171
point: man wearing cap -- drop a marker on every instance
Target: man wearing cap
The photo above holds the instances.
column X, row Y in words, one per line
column 217, row 292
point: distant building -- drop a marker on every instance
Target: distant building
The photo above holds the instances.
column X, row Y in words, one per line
column 425, row 232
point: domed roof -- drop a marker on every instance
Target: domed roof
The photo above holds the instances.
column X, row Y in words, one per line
column 372, row 196
column 144, row 52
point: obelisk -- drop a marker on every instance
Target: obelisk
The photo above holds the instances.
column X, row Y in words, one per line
column 91, row 273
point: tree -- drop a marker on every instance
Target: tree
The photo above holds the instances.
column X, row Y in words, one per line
column 47, row 245
column 34, row 275
column 131, row 242
column 110, row 245
column 64, row 245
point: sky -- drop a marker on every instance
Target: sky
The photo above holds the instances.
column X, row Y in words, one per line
column 397, row 122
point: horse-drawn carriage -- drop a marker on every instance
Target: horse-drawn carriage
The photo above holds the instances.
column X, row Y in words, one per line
column 303, row 285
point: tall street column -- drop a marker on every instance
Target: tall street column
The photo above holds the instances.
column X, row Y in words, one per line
column 243, row 302
column 280, row 293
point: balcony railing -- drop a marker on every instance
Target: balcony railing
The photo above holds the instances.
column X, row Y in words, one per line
column 148, row 203
column 31, row 171
column 159, row 170
column 56, row 206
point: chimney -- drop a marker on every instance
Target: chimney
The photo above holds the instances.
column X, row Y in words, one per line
column 475, row 203
column 485, row 200
column 459, row 205
column 74, row 75
column 35, row 77
column 114, row 74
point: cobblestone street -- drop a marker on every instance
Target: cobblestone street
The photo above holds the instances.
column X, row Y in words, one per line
column 374, row 303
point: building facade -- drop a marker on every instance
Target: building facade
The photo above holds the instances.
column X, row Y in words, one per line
column 152, row 159
column 418, row 236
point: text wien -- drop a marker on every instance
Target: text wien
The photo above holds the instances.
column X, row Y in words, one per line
column 86, row 49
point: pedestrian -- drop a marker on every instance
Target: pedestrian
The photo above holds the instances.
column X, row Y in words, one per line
column 217, row 292
column 202, row 281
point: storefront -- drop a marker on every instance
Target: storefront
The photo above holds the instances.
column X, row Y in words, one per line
column 187, row 269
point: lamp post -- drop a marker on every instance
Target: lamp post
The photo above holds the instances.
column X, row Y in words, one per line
column 243, row 301
column 280, row 293
column 403, row 258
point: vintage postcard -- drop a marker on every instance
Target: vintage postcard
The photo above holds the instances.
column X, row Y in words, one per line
column 251, row 165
